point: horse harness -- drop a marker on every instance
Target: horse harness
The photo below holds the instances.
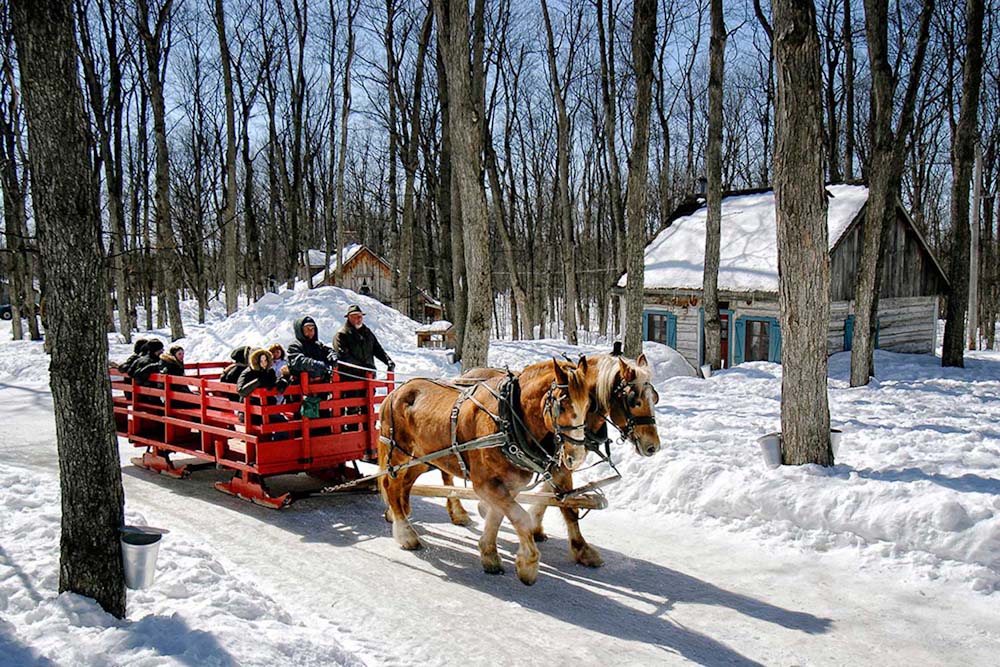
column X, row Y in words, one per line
column 512, row 437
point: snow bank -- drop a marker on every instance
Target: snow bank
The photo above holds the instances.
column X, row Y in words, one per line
column 198, row 613
column 916, row 475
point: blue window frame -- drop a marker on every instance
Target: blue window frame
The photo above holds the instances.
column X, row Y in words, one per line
column 756, row 339
column 660, row 326
column 849, row 332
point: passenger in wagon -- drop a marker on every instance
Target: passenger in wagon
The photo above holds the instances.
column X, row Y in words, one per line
column 172, row 363
column 279, row 365
column 307, row 354
column 356, row 344
column 260, row 375
column 145, row 366
column 232, row 372
column 138, row 349
column 357, row 347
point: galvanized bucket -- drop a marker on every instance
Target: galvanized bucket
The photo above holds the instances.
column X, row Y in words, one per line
column 139, row 550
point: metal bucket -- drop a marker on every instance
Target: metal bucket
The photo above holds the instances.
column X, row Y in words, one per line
column 836, row 435
column 770, row 449
column 706, row 371
column 139, row 550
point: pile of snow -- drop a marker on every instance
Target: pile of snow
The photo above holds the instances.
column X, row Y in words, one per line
column 201, row 611
column 748, row 257
column 917, row 476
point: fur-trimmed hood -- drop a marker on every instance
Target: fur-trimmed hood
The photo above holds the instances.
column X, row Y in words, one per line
column 257, row 355
column 168, row 358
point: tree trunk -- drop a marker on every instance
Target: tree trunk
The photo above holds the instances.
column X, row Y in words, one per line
column 230, row 247
column 643, row 43
column 887, row 150
column 716, row 67
column 564, row 207
column 90, row 477
column 963, row 147
column 466, row 137
column 345, row 111
column 803, row 252
column 848, row 93
column 156, row 56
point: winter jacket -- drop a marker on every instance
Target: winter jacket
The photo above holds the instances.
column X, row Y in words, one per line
column 171, row 365
column 255, row 376
column 138, row 349
column 232, row 372
column 145, row 366
column 358, row 346
column 310, row 355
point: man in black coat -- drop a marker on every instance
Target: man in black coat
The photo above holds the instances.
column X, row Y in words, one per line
column 307, row 354
column 356, row 345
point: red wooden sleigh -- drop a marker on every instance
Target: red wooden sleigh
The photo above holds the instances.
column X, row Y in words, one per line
column 202, row 418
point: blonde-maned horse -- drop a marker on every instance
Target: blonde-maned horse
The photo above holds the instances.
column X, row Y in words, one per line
column 552, row 401
column 622, row 393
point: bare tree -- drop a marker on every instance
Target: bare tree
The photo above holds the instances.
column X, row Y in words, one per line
column 156, row 41
column 643, row 45
column 717, row 55
column 229, row 225
column 963, row 147
column 564, row 210
column 885, row 167
column 466, row 137
column 803, row 252
column 90, row 560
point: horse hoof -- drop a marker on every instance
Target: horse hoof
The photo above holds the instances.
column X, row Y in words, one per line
column 462, row 519
column 588, row 556
column 540, row 536
column 528, row 578
column 492, row 564
column 405, row 536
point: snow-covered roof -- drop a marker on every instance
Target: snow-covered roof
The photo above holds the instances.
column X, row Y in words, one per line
column 318, row 257
column 748, row 258
column 439, row 326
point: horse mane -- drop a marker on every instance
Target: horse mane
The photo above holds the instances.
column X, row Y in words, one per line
column 609, row 374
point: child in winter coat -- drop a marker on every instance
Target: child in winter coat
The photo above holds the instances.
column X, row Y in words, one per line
column 259, row 375
column 279, row 364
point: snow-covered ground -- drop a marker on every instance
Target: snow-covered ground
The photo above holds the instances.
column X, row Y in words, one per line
column 892, row 556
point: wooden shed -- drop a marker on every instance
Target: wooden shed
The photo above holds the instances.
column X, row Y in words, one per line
column 366, row 273
column 673, row 312
column 438, row 335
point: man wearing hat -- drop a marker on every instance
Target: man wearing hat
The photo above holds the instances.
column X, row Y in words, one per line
column 356, row 345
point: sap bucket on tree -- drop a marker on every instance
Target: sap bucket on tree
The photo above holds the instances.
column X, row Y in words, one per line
column 770, row 446
column 770, row 449
column 140, row 547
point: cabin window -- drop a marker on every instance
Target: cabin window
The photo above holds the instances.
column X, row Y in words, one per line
column 758, row 341
column 660, row 327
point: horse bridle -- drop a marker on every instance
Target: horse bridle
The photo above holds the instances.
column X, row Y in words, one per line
column 560, row 432
column 626, row 392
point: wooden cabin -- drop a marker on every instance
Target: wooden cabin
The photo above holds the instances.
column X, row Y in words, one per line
column 437, row 335
column 366, row 273
column 673, row 314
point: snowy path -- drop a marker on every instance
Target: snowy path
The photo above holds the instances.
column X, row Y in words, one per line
column 672, row 592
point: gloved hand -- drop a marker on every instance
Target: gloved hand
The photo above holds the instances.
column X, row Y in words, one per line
column 391, row 366
column 281, row 385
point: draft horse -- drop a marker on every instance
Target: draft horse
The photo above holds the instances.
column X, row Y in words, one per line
column 622, row 393
column 547, row 402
